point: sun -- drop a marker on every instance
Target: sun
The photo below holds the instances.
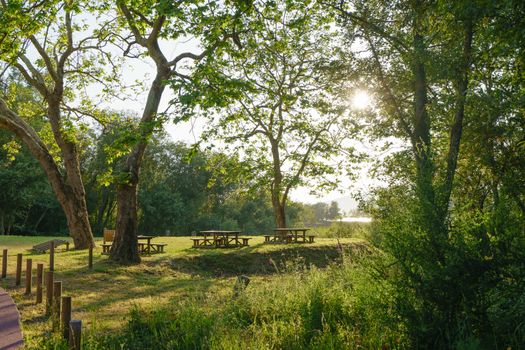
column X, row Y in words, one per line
column 361, row 100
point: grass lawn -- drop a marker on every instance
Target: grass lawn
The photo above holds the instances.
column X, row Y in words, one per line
column 103, row 296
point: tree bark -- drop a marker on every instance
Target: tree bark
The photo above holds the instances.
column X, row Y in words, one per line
column 69, row 190
column 101, row 210
column 422, row 142
column 457, row 126
column 278, row 200
column 124, row 249
column 78, row 217
column 278, row 211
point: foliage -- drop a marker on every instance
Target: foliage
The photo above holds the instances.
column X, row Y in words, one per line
column 26, row 200
column 345, row 230
column 318, row 213
column 270, row 97
column 186, row 189
column 438, row 216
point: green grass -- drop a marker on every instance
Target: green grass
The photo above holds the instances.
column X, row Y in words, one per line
column 344, row 230
column 104, row 297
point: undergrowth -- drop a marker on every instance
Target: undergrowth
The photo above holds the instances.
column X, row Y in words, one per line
column 340, row 307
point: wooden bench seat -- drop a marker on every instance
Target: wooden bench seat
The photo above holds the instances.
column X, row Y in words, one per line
column 106, row 247
column 311, row 239
column 159, row 247
column 43, row 247
column 267, row 238
column 245, row 241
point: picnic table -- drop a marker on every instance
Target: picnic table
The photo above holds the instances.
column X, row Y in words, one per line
column 219, row 238
column 144, row 248
column 149, row 247
column 289, row 235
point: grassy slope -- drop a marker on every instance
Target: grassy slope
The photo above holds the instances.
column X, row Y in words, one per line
column 102, row 297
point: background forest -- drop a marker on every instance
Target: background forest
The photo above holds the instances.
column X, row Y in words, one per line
column 188, row 190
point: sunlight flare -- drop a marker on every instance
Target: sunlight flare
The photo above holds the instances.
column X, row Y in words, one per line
column 361, row 100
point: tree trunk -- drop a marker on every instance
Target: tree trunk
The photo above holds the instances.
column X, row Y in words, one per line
column 75, row 208
column 42, row 216
column 124, row 249
column 75, row 201
column 101, row 210
column 457, row 127
column 428, row 216
column 276, row 190
column 422, row 146
column 278, row 211
column 69, row 190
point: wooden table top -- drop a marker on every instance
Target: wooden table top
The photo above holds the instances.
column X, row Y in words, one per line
column 145, row 237
column 292, row 229
column 218, row 232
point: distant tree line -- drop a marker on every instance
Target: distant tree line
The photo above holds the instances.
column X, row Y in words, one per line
column 184, row 190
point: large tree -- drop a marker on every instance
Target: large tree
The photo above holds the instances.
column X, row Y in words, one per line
column 48, row 45
column 419, row 61
column 409, row 56
column 148, row 24
column 274, row 100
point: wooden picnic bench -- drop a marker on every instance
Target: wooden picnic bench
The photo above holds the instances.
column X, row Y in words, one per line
column 159, row 247
column 145, row 248
column 289, row 235
column 220, row 239
column 203, row 242
column 148, row 247
column 45, row 246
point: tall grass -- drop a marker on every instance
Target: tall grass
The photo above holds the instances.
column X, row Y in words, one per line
column 340, row 307
column 344, row 230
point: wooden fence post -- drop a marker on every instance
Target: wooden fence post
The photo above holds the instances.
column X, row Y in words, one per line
column 90, row 257
column 52, row 257
column 39, row 272
column 4, row 264
column 49, row 291
column 75, row 334
column 18, row 269
column 57, row 294
column 65, row 316
column 29, row 275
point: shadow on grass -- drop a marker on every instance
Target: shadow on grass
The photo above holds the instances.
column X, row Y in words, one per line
column 218, row 263
column 108, row 284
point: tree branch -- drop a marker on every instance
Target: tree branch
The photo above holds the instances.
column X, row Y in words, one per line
column 36, row 82
column 47, row 60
